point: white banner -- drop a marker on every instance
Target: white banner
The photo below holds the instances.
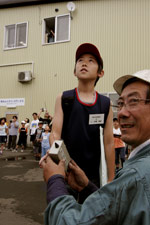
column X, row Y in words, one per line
column 12, row 102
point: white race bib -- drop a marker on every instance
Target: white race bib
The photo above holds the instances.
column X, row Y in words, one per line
column 96, row 119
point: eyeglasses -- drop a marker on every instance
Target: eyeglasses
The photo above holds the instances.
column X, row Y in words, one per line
column 131, row 103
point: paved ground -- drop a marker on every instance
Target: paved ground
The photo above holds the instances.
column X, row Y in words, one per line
column 22, row 190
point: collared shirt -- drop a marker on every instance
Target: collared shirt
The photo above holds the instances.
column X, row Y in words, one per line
column 138, row 148
column 14, row 128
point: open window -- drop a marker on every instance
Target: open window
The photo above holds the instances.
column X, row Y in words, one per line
column 56, row 29
column 15, row 35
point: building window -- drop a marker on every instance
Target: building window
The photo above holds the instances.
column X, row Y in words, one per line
column 16, row 36
column 56, row 29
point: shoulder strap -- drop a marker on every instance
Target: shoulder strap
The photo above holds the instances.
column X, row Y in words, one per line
column 67, row 101
column 41, row 132
column 105, row 106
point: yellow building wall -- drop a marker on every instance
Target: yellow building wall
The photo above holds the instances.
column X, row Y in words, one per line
column 119, row 28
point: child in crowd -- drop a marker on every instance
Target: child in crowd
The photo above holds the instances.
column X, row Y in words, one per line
column 27, row 126
column 37, row 141
column 45, row 140
column 22, row 137
column 33, row 127
column 3, row 134
column 13, row 133
column 119, row 144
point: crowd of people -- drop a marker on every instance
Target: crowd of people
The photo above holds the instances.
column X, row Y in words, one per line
column 15, row 136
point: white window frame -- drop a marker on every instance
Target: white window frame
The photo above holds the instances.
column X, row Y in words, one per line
column 55, row 38
column 5, row 36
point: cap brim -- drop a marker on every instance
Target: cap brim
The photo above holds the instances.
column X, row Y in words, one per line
column 143, row 75
column 118, row 84
column 88, row 48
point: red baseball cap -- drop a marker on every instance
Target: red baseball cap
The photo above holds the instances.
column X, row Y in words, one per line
column 88, row 48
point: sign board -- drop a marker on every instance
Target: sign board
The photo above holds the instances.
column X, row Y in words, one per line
column 12, row 102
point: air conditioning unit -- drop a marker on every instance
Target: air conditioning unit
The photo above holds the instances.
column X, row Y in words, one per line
column 24, row 76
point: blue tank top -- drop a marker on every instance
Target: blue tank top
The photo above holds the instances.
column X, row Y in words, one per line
column 82, row 139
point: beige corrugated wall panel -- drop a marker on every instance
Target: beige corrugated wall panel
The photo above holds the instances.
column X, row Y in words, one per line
column 120, row 29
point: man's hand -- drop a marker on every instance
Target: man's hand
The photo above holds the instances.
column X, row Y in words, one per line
column 50, row 168
column 76, row 177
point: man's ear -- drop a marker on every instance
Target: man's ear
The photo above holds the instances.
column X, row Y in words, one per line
column 101, row 74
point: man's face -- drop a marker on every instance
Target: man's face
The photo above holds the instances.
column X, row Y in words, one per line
column 86, row 67
column 135, row 121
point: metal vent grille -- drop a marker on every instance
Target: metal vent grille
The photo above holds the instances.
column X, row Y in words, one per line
column 21, row 76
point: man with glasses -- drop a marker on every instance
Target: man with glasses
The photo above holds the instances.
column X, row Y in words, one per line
column 126, row 200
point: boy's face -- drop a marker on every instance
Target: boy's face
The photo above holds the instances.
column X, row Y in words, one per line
column 40, row 125
column 14, row 119
column 87, row 68
column 34, row 116
column 116, row 124
column 23, row 124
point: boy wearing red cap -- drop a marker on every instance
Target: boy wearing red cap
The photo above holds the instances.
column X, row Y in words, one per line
column 80, row 112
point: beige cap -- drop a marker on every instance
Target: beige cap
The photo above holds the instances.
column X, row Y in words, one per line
column 143, row 75
column 23, row 121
